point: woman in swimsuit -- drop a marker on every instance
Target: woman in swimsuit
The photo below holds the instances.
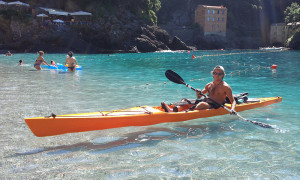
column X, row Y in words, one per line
column 39, row 61
column 71, row 61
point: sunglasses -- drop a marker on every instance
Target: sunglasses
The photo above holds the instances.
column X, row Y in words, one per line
column 220, row 74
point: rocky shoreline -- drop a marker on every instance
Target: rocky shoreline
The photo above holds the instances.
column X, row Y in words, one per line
column 148, row 39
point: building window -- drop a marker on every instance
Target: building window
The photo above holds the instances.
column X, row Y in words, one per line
column 208, row 19
column 202, row 11
column 213, row 19
column 214, row 12
column 223, row 11
column 208, row 11
column 222, row 19
column 218, row 19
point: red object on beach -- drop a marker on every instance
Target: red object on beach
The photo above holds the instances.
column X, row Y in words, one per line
column 274, row 66
column 193, row 57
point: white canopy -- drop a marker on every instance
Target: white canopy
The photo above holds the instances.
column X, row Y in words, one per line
column 60, row 13
column 2, row 2
column 41, row 15
column 18, row 3
column 58, row 21
column 55, row 12
column 80, row 13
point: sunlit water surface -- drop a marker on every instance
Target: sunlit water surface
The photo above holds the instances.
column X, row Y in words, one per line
column 209, row 148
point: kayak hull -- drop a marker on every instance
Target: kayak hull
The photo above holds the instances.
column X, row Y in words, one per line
column 136, row 116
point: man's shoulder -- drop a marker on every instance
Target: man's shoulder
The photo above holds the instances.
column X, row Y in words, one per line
column 225, row 84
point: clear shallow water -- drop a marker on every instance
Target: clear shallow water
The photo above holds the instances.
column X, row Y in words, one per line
column 216, row 147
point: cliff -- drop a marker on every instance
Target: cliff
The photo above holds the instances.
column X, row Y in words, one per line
column 130, row 26
column 116, row 26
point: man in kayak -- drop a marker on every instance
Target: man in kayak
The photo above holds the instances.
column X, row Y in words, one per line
column 71, row 61
column 217, row 90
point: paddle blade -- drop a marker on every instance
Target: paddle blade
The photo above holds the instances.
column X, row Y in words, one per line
column 174, row 77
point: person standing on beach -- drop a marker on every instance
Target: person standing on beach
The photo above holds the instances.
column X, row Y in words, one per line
column 71, row 61
column 39, row 61
column 217, row 90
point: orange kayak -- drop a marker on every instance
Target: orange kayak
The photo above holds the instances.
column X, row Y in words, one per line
column 136, row 116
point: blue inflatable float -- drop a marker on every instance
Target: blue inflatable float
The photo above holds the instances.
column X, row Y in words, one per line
column 60, row 66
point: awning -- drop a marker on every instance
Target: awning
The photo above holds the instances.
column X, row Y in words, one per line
column 80, row 13
column 55, row 12
column 18, row 3
column 60, row 13
column 3, row 3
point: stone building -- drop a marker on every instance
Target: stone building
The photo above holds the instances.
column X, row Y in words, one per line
column 212, row 19
column 280, row 32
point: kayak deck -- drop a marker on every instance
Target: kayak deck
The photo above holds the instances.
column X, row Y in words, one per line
column 136, row 116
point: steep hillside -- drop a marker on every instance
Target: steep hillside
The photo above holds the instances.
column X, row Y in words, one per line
column 129, row 26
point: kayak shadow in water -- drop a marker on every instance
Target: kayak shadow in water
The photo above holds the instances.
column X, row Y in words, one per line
column 149, row 137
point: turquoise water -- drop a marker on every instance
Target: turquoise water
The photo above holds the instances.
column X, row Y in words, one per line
column 209, row 148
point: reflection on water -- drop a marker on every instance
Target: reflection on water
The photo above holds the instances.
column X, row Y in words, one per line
column 130, row 140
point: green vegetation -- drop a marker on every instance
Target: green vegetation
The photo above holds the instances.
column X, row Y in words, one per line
column 11, row 14
column 150, row 9
column 292, row 13
column 8, row 14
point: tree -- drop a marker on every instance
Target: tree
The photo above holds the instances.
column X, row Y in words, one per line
column 292, row 13
column 150, row 9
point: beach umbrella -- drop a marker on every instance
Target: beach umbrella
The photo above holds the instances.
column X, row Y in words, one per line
column 42, row 15
column 58, row 21
column 18, row 3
